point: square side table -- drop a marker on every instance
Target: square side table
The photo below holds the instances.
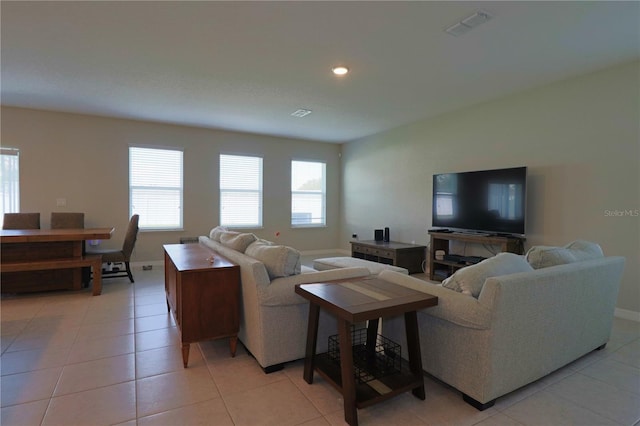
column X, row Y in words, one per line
column 351, row 302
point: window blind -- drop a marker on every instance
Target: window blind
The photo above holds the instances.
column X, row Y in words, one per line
column 308, row 193
column 9, row 181
column 240, row 191
column 156, row 187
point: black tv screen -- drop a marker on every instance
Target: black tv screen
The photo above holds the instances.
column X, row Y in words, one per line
column 492, row 201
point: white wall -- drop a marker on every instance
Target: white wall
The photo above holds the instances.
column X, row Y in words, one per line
column 85, row 160
column 579, row 139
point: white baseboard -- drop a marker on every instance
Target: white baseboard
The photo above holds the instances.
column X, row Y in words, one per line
column 147, row 262
column 344, row 252
column 303, row 253
column 627, row 314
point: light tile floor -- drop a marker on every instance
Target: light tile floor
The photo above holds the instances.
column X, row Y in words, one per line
column 69, row 358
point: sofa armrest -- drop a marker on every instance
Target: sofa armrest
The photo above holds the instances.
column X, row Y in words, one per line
column 280, row 292
column 453, row 307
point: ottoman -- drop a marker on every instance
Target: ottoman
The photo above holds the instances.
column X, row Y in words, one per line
column 345, row 262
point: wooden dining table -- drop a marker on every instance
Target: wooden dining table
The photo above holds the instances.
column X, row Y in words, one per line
column 48, row 259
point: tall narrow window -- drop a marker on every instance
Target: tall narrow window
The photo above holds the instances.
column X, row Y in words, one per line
column 308, row 193
column 9, row 181
column 155, row 187
column 240, row 191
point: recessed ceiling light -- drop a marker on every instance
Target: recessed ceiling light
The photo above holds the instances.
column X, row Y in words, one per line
column 340, row 70
column 301, row 113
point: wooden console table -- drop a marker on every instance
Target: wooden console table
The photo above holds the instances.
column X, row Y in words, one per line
column 48, row 259
column 408, row 256
column 203, row 290
column 354, row 301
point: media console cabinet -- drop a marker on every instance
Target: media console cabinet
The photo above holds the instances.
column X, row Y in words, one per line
column 441, row 269
column 408, row 256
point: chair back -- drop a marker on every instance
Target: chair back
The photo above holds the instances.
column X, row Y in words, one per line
column 21, row 221
column 130, row 238
column 64, row 220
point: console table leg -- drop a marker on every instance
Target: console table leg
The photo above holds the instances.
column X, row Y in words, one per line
column 185, row 354
column 312, row 338
column 233, row 344
column 346, row 367
column 413, row 348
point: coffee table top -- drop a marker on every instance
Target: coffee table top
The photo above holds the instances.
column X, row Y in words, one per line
column 367, row 298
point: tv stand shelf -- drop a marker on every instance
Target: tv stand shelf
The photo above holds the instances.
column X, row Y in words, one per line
column 441, row 269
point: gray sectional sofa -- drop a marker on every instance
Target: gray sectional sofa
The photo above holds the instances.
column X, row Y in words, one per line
column 273, row 319
column 521, row 326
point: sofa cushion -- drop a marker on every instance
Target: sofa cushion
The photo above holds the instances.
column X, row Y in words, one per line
column 576, row 251
column 280, row 261
column 236, row 240
column 351, row 262
column 217, row 232
column 469, row 280
column 452, row 307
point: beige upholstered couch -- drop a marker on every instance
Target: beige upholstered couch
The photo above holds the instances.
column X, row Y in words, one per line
column 521, row 327
column 273, row 319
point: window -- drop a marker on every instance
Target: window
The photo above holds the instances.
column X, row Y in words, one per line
column 308, row 193
column 240, row 191
column 155, row 187
column 9, row 181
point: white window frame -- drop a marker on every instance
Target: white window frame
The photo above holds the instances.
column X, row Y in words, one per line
column 230, row 215
column 157, row 185
column 9, row 181
column 314, row 222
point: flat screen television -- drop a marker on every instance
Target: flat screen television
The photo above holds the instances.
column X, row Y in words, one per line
column 490, row 201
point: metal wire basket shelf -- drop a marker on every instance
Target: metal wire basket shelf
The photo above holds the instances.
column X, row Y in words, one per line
column 370, row 362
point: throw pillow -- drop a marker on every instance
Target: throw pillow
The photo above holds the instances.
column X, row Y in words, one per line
column 217, row 232
column 469, row 280
column 280, row 261
column 576, row 251
column 236, row 240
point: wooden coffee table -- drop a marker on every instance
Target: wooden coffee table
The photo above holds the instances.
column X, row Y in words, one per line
column 355, row 301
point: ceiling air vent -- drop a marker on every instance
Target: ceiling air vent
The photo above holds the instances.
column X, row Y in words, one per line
column 468, row 23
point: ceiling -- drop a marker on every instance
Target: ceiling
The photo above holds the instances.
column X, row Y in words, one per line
column 246, row 66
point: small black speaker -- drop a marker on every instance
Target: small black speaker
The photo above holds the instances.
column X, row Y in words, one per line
column 378, row 233
column 386, row 235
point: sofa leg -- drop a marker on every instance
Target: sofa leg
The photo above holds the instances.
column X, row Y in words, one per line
column 273, row 368
column 601, row 347
column 477, row 404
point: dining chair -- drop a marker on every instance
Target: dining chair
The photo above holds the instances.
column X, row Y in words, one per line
column 121, row 255
column 65, row 220
column 21, row 221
